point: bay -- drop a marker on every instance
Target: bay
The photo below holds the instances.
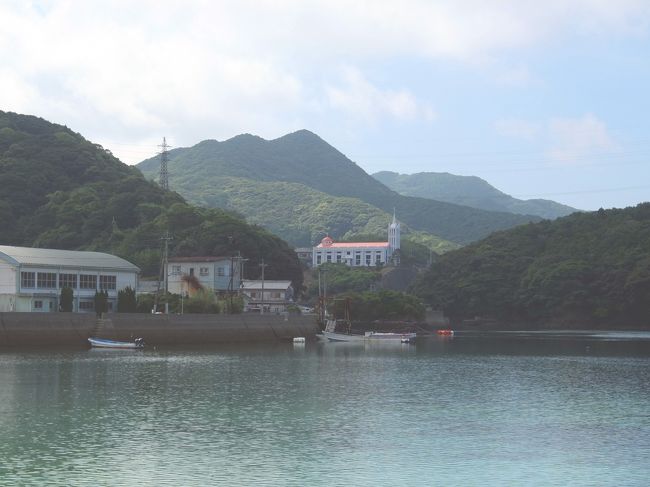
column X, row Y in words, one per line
column 478, row 409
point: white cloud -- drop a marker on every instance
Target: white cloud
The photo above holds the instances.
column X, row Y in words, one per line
column 573, row 139
column 124, row 70
column 567, row 140
column 358, row 97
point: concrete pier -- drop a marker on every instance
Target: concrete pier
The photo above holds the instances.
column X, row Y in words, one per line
column 73, row 329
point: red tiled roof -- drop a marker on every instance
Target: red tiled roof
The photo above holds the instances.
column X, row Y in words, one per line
column 349, row 245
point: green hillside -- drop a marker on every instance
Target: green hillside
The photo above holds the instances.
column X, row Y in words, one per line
column 586, row 269
column 61, row 191
column 302, row 157
column 297, row 213
column 469, row 191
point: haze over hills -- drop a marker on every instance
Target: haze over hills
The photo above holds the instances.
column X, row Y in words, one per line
column 469, row 191
column 303, row 157
column 61, row 191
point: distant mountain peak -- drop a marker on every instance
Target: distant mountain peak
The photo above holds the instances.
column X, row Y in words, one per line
column 245, row 138
column 470, row 191
column 302, row 135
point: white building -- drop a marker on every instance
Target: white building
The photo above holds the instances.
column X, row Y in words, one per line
column 360, row 254
column 275, row 296
column 32, row 279
column 216, row 273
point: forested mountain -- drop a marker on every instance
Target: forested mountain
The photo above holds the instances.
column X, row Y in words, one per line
column 303, row 157
column 469, row 191
column 586, row 269
column 59, row 190
column 299, row 214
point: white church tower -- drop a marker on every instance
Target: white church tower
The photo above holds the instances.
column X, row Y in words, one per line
column 394, row 239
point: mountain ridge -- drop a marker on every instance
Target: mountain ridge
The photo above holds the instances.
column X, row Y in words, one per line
column 469, row 191
column 303, row 157
column 62, row 191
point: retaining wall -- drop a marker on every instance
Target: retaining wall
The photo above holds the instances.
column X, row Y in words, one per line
column 73, row 329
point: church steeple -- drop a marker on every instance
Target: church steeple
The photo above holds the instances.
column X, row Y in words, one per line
column 393, row 235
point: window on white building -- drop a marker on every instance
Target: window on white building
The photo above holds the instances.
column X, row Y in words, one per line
column 318, row 259
column 107, row 282
column 68, row 280
column 204, row 271
column 221, row 271
column 176, row 270
column 38, row 304
column 87, row 281
column 27, row 279
column 86, row 305
column 46, row 280
column 368, row 259
column 357, row 260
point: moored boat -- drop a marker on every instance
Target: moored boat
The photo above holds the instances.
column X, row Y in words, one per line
column 370, row 336
column 138, row 343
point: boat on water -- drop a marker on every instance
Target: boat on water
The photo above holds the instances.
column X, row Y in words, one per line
column 332, row 335
column 370, row 336
column 138, row 343
column 445, row 332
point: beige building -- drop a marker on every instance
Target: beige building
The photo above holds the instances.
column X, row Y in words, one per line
column 274, row 296
column 217, row 273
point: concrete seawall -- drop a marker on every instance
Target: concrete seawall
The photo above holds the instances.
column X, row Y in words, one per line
column 73, row 329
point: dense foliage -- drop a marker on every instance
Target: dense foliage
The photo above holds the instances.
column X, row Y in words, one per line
column 101, row 302
column 66, row 299
column 469, row 191
column 302, row 157
column 361, row 288
column 60, row 191
column 587, row 269
column 301, row 215
column 379, row 305
column 126, row 300
column 202, row 302
column 336, row 279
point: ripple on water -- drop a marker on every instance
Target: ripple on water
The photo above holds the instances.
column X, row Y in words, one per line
column 451, row 414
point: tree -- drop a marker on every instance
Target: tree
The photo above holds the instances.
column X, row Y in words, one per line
column 101, row 302
column 203, row 302
column 145, row 303
column 65, row 301
column 126, row 301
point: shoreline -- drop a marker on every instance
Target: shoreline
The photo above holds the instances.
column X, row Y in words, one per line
column 45, row 330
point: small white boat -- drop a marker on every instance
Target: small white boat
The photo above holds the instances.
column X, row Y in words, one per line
column 370, row 336
column 332, row 335
column 138, row 343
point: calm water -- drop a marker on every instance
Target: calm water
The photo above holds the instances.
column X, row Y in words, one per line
column 475, row 410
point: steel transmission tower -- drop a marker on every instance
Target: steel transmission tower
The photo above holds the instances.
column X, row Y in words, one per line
column 163, row 180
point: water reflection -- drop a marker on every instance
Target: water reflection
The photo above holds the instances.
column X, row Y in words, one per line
column 472, row 410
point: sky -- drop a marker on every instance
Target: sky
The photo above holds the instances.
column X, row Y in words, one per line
column 541, row 99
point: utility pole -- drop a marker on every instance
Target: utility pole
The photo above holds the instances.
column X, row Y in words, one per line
column 263, row 266
column 163, row 271
column 163, row 179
